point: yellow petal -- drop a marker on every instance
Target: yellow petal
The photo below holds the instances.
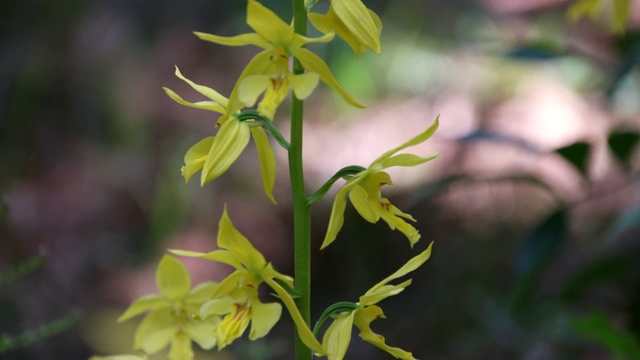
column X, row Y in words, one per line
column 206, row 91
column 357, row 18
column 155, row 332
column 303, row 84
column 172, row 278
column 336, row 220
column 233, row 282
column 267, row 161
column 228, row 144
column 267, row 24
column 196, row 156
column 363, row 320
column 367, row 207
column 231, row 239
column 251, row 87
column 410, row 266
column 383, row 292
column 263, row 318
column 338, row 336
column 420, row 138
column 222, row 256
column 204, row 105
column 144, row 304
column 299, row 40
column 304, row 332
column 238, row 40
column 232, row 326
column 216, row 307
column 202, row 332
column 314, row 63
column 180, row 347
column 201, row 293
column 407, row 160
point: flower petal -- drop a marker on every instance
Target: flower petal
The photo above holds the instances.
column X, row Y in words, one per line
column 357, row 18
column 201, row 293
column 250, row 87
column 155, row 332
column 180, row 347
column 216, row 307
column 410, row 266
column 202, row 332
column 222, row 256
column 363, row 320
column 228, row 144
column 263, row 318
column 231, row 239
column 336, row 220
column 303, row 84
column 267, row 161
column 238, row 40
column 382, row 293
column 144, row 304
column 204, row 90
column 366, row 206
column 376, row 165
column 196, row 156
column 338, row 336
column 172, row 278
column 267, row 24
column 314, row 63
column 204, row 105
column 407, row 160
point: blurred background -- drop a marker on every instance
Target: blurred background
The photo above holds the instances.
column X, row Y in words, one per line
column 533, row 204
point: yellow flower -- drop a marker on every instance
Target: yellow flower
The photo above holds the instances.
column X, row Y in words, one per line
column 170, row 319
column 268, row 70
column 237, row 295
column 338, row 335
column 215, row 154
column 353, row 22
column 364, row 192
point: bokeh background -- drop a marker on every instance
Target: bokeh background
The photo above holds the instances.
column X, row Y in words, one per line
column 533, row 204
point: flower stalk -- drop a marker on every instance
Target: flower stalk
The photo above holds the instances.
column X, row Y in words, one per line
column 301, row 210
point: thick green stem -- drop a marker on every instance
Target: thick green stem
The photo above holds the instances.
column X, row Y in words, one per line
column 301, row 211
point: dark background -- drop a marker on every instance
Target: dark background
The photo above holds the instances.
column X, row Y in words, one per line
column 534, row 204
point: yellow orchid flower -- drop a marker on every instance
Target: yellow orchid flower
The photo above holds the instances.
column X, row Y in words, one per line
column 215, row 154
column 237, row 295
column 170, row 318
column 268, row 70
column 353, row 22
column 338, row 335
column 364, row 192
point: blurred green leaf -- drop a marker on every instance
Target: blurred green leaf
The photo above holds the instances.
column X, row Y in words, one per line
column 25, row 339
column 622, row 144
column 22, row 269
column 535, row 254
column 597, row 326
column 577, row 154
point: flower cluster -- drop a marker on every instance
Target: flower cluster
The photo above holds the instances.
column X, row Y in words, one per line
column 215, row 314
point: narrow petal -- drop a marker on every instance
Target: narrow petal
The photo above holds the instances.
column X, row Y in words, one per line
column 383, row 292
column 204, row 105
column 206, row 91
column 231, row 239
column 230, row 284
column 267, row 24
column 336, row 220
column 196, row 156
column 222, row 256
column 304, row 332
column 407, row 160
column 144, row 304
column 357, row 18
column 338, row 336
column 172, row 278
column 401, row 225
column 410, row 266
column 180, row 347
column 238, row 40
column 420, row 138
column 267, row 161
column 201, row 293
column 263, row 318
column 233, row 326
column 155, row 332
column 314, row 63
column 299, row 40
column 303, row 84
column 231, row 140
column 363, row 321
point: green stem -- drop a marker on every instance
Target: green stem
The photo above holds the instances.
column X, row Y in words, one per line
column 301, row 211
